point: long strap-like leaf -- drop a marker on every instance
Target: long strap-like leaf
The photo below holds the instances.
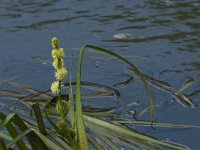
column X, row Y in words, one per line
column 80, row 124
column 82, row 138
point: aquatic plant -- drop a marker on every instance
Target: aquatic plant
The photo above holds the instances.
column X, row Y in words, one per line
column 62, row 105
column 69, row 130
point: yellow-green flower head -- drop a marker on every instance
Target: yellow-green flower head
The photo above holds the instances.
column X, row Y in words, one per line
column 58, row 65
column 61, row 53
column 62, row 107
column 55, row 87
column 58, row 53
column 55, row 42
column 55, row 53
column 61, row 74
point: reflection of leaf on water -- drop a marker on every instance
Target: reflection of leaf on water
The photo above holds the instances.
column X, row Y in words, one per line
column 10, row 92
column 36, row 95
column 186, row 85
column 8, row 80
column 124, row 83
column 141, row 113
column 184, row 100
column 163, row 86
column 176, row 71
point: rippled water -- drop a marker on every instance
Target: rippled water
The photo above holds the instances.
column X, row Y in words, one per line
column 161, row 37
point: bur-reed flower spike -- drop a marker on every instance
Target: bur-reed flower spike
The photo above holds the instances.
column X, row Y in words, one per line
column 55, row 87
column 61, row 53
column 58, row 64
column 62, row 107
column 54, row 53
column 55, row 42
column 60, row 74
column 58, row 53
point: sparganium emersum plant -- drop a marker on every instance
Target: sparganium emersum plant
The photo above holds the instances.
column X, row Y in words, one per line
column 60, row 74
column 62, row 106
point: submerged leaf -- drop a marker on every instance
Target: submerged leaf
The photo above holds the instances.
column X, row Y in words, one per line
column 104, row 89
column 160, row 85
column 127, row 134
column 123, row 83
column 178, row 96
column 95, row 143
column 155, row 124
column 24, row 87
column 184, row 100
column 20, row 136
column 10, row 92
column 186, row 85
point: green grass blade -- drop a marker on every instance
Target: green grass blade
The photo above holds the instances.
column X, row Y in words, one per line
column 39, row 118
column 5, row 136
column 103, row 134
column 21, row 145
column 20, row 136
column 2, row 145
column 7, row 123
column 101, row 114
column 52, row 136
column 95, row 143
column 6, row 120
column 108, row 142
column 48, row 142
column 130, row 64
column 71, row 110
column 157, row 124
column 34, row 140
column 60, row 141
column 128, row 135
column 80, row 123
column 82, row 138
column 48, row 118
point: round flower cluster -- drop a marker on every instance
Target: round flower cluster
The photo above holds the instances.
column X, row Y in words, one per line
column 58, row 53
column 60, row 74
column 55, row 87
column 62, row 106
column 58, row 56
column 54, row 42
column 58, row 64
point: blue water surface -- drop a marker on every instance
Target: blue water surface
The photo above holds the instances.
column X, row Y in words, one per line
column 160, row 37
